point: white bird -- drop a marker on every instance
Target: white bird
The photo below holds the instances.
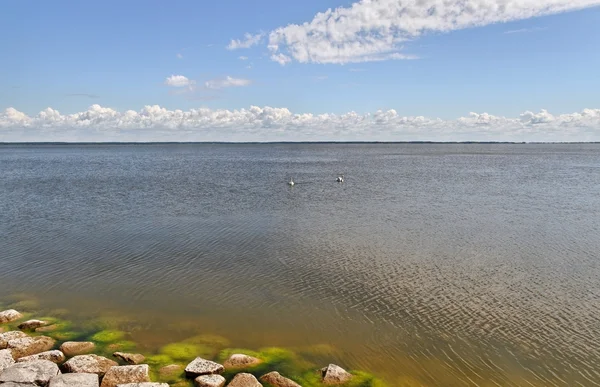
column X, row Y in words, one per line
column 291, row 182
column 340, row 179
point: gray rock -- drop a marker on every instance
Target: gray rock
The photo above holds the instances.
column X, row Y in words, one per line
column 72, row 348
column 9, row 315
column 30, row 325
column 244, row 380
column 333, row 374
column 6, row 359
column 209, row 381
column 89, row 364
column 200, row 366
column 238, row 360
column 55, row 356
column 125, row 375
column 26, row 346
column 8, row 336
column 75, row 380
column 13, row 384
column 275, row 379
column 145, row 384
column 131, row 358
column 36, row 372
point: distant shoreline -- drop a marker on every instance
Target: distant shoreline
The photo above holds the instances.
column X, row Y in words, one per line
column 298, row 142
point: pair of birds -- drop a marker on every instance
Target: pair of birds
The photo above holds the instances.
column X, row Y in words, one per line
column 340, row 179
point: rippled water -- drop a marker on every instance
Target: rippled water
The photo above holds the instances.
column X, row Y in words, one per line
column 431, row 265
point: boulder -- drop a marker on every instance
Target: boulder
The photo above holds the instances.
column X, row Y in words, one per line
column 55, row 356
column 13, row 384
column 200, row 366
column 31, row 325
column 72, row 348
column 244, row 380
column 125, row 375
column 75, row 380
column 26, row 346
column 144, row 384
column 8, row 336
column 6, row 359
column 38, row 372
column 238, row 360
column 89, row 364
column 9, row 315
column 131, row 358
column 333, row 374
column 209, row 381
column 275, row 379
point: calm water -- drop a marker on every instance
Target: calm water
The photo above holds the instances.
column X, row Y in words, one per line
column 440, row 265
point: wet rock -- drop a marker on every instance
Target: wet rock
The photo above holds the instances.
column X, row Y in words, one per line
column 89, row 364
column 131, row 358
column 9, row 315
column 170, row 371
column 8, row 336
column 55, row 356
column 238, row 360
column 244, row 380
column 333, row 374
column 47, row 328
column 6, row 359
column 72, row 348
column 75, row 380
column 38, row 372
column 26, row 346
column 209, row 381
column 145, row 384
column 31, row 325
column 200, row 366
column 126, row 374
column 275, row 379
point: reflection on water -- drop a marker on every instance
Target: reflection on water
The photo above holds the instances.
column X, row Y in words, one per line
column 430, row 265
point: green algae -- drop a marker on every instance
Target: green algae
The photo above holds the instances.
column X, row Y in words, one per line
column 124, row 345
column 184, row 351
column 107, row 336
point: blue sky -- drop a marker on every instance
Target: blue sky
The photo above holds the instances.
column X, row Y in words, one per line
column 69, row 55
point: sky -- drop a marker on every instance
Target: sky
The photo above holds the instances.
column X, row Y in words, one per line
column 326, row 70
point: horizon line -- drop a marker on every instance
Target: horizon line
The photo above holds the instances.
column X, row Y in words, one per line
column 281, row 142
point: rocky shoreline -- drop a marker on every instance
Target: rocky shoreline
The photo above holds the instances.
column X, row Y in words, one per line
column 40, row 352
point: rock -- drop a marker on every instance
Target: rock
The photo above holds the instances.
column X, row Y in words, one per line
column 47, row 328
column 209, row 381
column 244, row 380
column 238, row 360
column 38, row 372
column 333, row 374
column 6, row 359
column 54, row 356
column 170, row 370
column 13, row 384
column 1, row 329
column 131, row 358
column 26, row 346
column 126, row 374
column 145, row 384
column 75, row 380
column 9, row 315
column 72, row 348
column 8, row 336
column 89, row 364
column 31, row 325
column 200, row 366
column 275, row 379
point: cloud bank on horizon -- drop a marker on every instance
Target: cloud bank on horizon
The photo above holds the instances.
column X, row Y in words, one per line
column 155, row 123
column 374, row 30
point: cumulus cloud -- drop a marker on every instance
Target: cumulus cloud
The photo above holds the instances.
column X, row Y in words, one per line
column 226, row 82
column 155, row 123
column 179, row 81
column 373, row 30
column 248, row 41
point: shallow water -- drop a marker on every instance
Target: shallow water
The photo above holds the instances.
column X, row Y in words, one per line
column 430, row 265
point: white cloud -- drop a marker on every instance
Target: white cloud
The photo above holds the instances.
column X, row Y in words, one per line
column 242, row 57
column 179, row 56
column 373, row 30
column 523, row 30
column 179, row 81
column 226, row 82
column 154, row 123
column 248, row 41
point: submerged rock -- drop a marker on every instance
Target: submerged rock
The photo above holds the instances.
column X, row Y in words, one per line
column 170, row 371
column 26, row 346
column 131, row 358
column 47, row 328
column 244, row 380
column 55, row 356
column 126, row 374
column 202, row 366
column 6, row 359
column 72, row 348
column 9, row 315
column 209, row 381
column 143, row 384
column 31, row 325
column 333, row 374
column 238, row 360
column 8, row 336
column 274, row 378
column 38, row 372
column 75, row 380
column 89, row 364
